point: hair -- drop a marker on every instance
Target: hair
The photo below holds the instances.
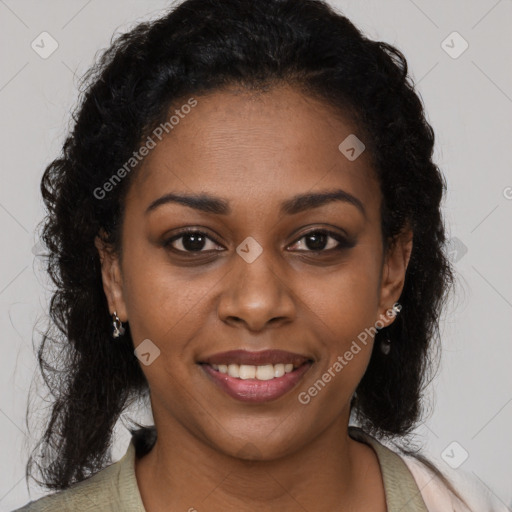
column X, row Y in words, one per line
column 203, row 46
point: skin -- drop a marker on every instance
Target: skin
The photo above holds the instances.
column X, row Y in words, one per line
column 215, row 452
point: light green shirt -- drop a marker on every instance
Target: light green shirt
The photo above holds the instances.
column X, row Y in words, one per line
column 114, row 489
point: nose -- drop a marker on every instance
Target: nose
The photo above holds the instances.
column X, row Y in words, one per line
column 256, row 295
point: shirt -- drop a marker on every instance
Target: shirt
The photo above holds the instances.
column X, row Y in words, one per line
column 115, row 489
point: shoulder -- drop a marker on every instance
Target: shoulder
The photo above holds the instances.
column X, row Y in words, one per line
column 446, row 490
column 98, row 493
column 94, row 493
column 439, row 496
column 113, row 488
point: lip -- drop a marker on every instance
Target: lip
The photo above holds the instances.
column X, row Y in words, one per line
column 256, row 358
column 254, row 390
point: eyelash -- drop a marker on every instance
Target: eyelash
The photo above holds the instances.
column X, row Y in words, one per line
column 343, row 243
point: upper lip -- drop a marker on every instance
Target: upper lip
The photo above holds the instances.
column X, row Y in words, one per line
column 260, row 358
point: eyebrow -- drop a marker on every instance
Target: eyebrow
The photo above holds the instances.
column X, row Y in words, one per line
column 297, row 204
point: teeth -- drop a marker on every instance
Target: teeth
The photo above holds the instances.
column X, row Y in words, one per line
column 279, row 370
column 265, row 372
column 247, row 371
column 234, row 370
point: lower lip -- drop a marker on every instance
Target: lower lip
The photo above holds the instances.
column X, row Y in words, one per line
column 253, row 390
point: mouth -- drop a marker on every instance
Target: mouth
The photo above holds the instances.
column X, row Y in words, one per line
column 256, row 376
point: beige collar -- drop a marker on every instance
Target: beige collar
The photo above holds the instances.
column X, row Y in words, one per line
column 402, row 492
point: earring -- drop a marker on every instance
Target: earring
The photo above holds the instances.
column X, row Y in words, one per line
column 385, row 344
column 118, row 329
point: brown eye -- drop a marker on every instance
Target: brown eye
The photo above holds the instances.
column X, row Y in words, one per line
column 190, row 241
column 323, row 241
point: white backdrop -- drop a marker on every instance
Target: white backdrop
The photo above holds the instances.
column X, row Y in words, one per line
column 468, row 97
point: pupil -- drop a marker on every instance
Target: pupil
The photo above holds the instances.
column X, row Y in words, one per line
column 193, row 242
column 318, row 239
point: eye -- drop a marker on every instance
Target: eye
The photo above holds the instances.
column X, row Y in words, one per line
column 190, row 241
column 318, row 241
column 195, row 241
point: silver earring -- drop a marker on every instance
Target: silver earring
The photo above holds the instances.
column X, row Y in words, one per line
column 118, row 329
column 385, row 344
column 397, row 307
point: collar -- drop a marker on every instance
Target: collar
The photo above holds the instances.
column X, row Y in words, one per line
column 402, row 492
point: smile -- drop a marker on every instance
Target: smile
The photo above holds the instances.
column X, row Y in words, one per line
column 272, row 374
column 246, row 371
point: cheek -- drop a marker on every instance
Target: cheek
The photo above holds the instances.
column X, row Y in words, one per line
column 165, row 307
column 347, row 299
column 161, row 299
column 345, row 307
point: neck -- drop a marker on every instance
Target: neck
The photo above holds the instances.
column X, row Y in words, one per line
column 183, row 473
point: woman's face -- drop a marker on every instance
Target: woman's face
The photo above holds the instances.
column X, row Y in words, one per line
column 272, row 269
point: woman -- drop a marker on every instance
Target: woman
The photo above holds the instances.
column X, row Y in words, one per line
column 245, row 225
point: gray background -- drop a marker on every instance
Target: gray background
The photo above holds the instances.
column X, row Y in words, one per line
column 469, row 103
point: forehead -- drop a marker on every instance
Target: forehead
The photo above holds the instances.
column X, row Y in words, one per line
column 255, row 146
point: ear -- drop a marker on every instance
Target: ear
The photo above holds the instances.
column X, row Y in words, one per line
column 112, row 277
column 394, row 268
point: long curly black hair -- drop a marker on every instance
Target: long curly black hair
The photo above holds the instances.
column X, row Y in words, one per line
column 198, row 47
